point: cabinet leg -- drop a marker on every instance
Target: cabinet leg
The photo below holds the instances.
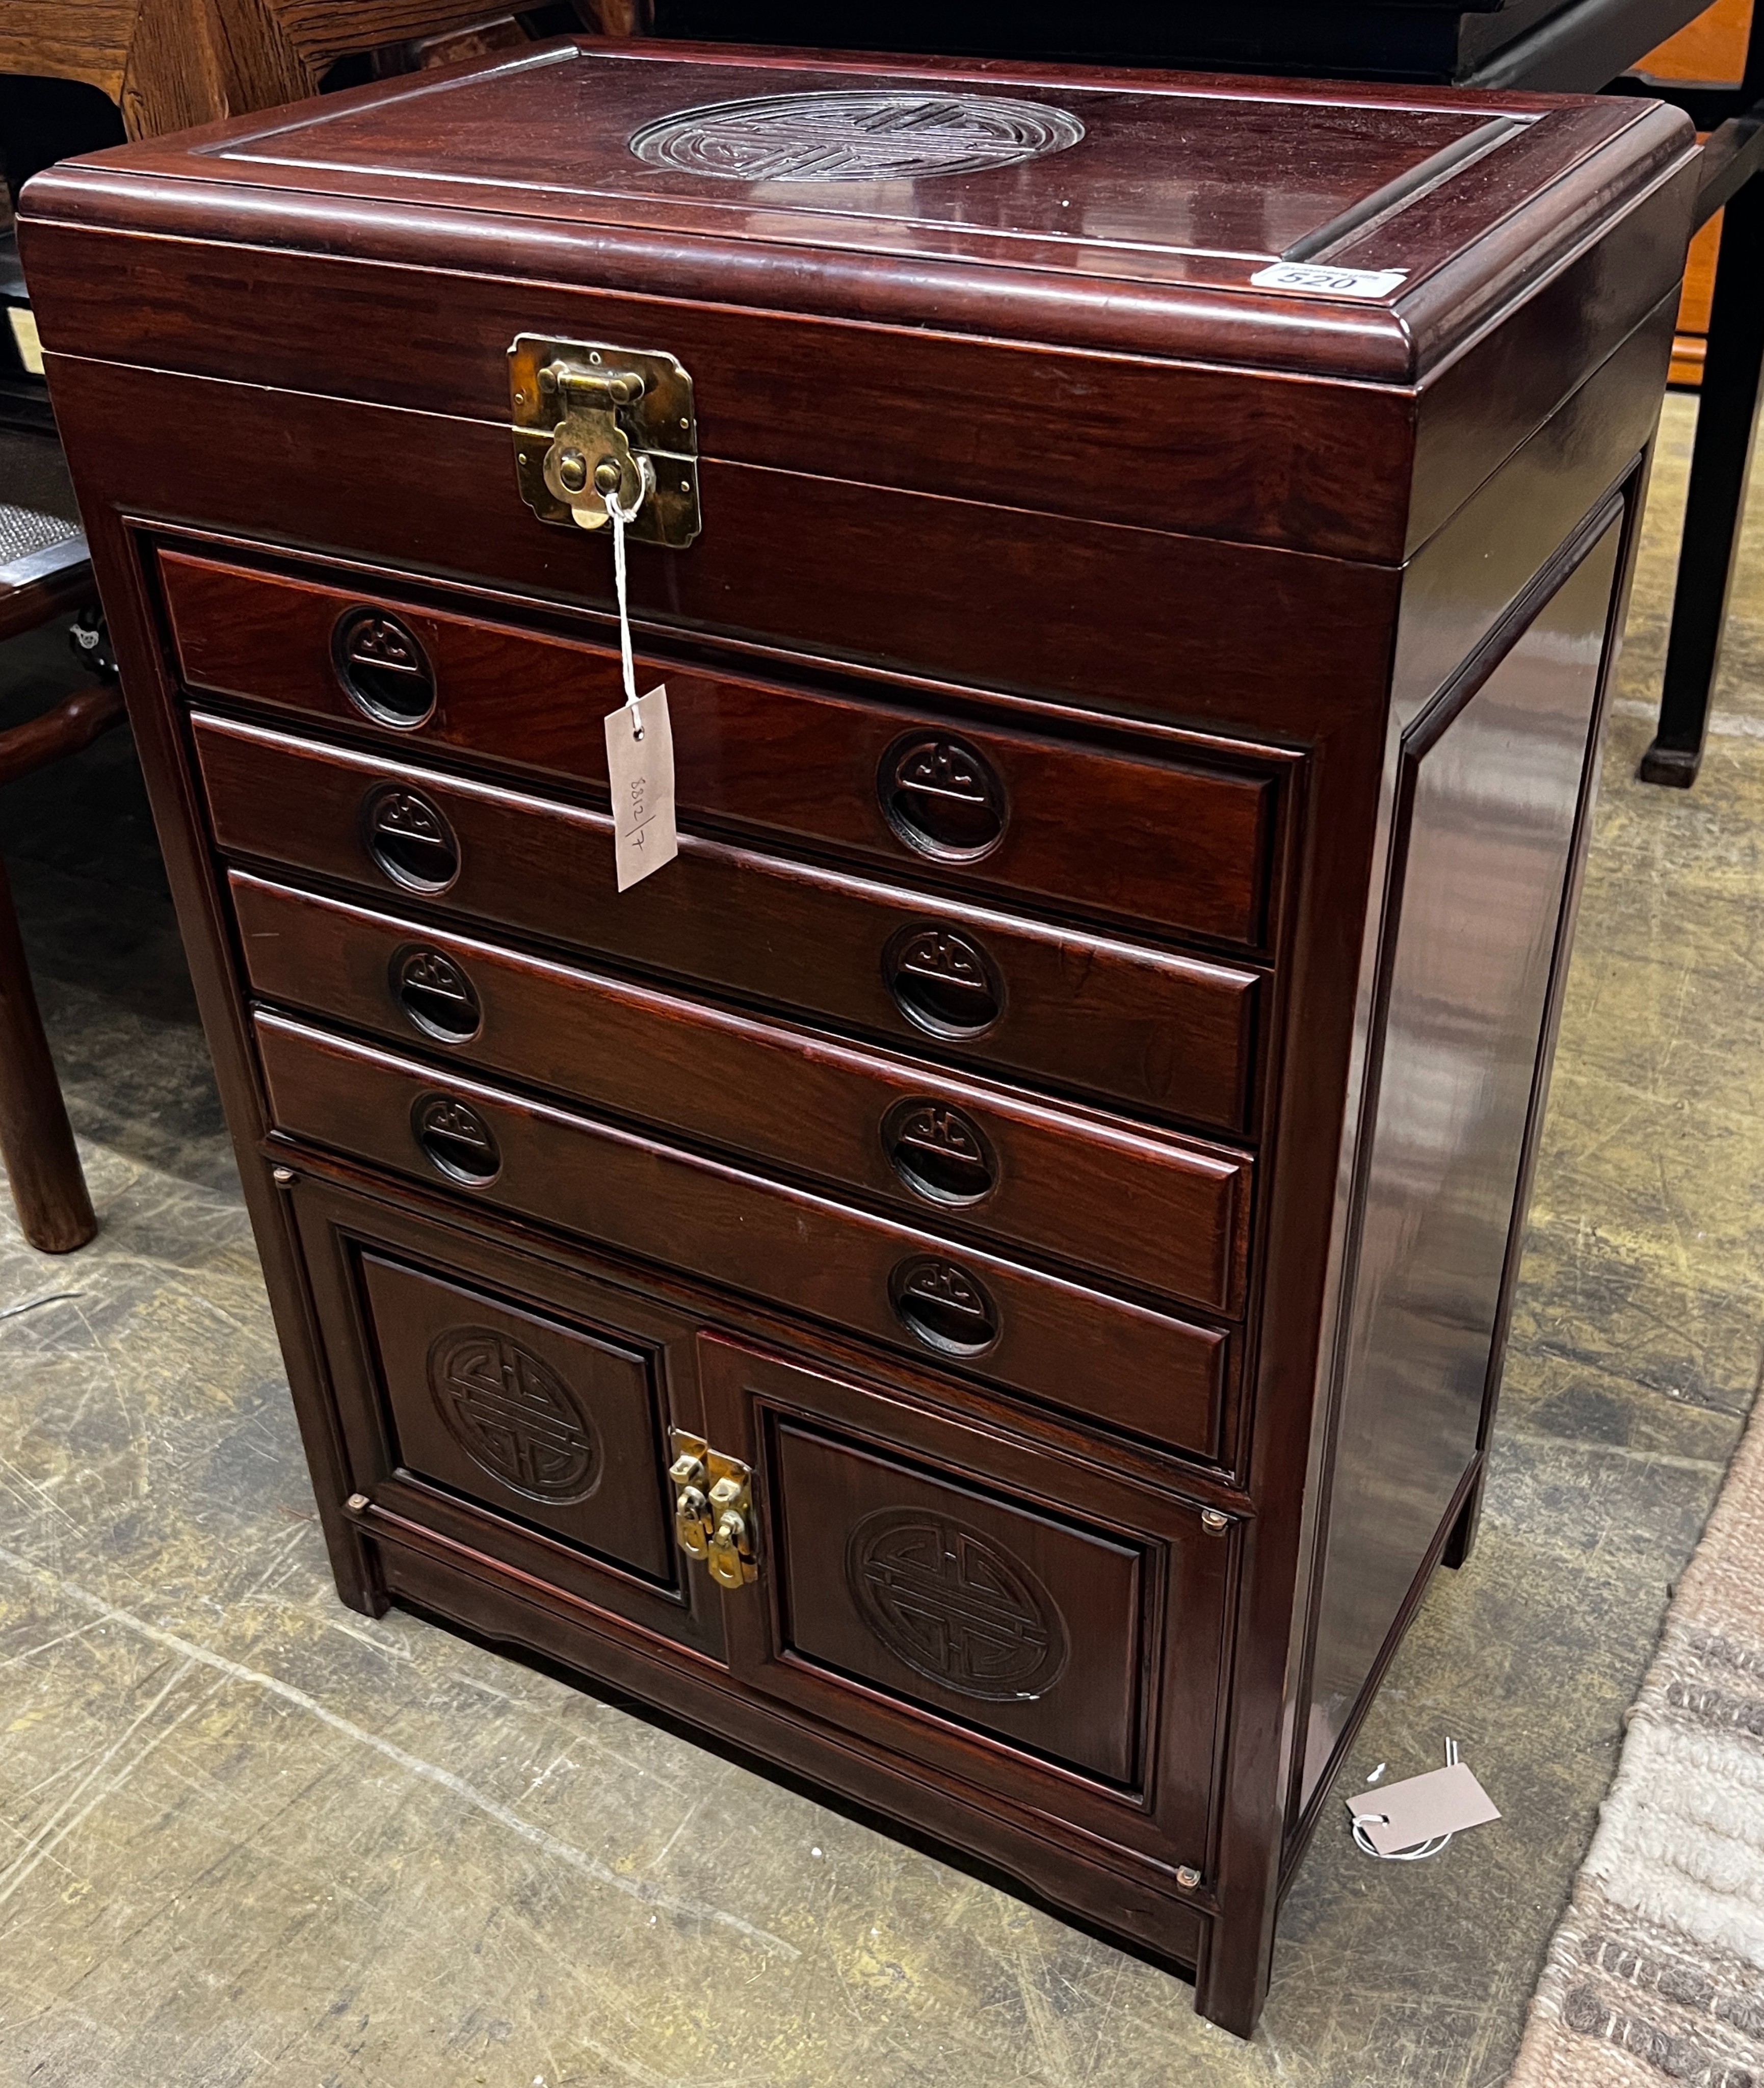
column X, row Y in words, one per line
column 1715, row 509
column 1231, row 1981
column 1462, row 1540
column 36, row 1142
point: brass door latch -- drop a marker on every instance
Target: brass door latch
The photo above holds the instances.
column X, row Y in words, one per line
column 713, row 1514
column 591, row 421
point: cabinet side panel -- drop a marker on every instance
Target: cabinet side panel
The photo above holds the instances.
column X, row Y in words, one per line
column 1487, row 819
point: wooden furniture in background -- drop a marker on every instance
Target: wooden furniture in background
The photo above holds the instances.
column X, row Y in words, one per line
column 983, row 1282
column 45, row 573
column 168, row 64
column 1711, row 49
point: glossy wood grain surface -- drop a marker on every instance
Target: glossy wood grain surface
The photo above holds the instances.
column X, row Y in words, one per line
column 1137, row 439
column 1148, row 841
column 1127, row 277
column 932, row 1591
column 1170, row 1035
column 969, row 1157
column 555, row 1425
column 1491, row 794
column 1024, row 602
column 1076, row 1349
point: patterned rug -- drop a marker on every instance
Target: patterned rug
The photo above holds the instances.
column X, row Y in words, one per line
column 1656, row 1975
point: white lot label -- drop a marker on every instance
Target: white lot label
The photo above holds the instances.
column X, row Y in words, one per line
column 1329, row 282
column 639, row 767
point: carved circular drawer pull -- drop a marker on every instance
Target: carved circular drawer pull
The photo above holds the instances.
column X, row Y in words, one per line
column 939, row 1151
column 943, row 981
column 383, row 667
column 409, row 836
column 943, row 1306
column 436, row 994
column 942, row 798
column 456, row 1139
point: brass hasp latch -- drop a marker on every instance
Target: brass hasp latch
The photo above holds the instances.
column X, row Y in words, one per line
column 713, row 1517
column 593, row 422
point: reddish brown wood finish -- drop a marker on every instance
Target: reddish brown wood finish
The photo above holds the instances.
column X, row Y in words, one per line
column 37, row 1141
column 1078, row 1350
column 1170, row 1034
column 968, row 1157
column 1128, row 1583
column 1159, row 844
column 1150, row 547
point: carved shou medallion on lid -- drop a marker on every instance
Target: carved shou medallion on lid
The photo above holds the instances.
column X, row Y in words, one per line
column 876, row 136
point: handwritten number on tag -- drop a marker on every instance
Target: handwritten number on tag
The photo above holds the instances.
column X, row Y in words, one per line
column 640, row 772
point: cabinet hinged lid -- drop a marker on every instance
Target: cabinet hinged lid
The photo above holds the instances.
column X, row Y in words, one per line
column 1355, row 231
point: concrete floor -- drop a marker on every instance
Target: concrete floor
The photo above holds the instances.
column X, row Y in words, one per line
column 249, row 1838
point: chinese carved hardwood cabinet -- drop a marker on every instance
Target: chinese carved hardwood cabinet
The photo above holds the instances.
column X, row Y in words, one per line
column 981, row 1282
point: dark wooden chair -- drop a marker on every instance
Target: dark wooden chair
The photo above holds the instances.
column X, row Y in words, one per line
column 43, row 574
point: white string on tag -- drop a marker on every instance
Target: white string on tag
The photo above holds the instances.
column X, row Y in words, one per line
column 1363, row 1839
column 621, row 516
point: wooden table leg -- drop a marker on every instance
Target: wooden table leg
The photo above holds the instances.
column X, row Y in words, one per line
column 1714, row 508
column 37, row 1141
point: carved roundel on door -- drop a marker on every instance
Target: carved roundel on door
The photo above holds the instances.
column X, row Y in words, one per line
column 383, row 667
column 874, row 136
column 955, row 1607
column 408, row 836
column 939, row 1151
column 942, row 798
column 513, row 1414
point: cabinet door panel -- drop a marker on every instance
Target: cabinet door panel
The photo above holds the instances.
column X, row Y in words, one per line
column 517, row 1409
column 1048, row 1632
column 1002, row 1618
column 552, row 1422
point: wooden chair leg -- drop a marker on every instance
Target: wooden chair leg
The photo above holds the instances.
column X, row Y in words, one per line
column 37, row 1141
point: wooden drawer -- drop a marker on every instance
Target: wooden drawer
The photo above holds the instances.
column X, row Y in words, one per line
column 510, row 1407
column 1075, row 1348
column 1173, row 1036
column 1144, row 838
column 965, row 1156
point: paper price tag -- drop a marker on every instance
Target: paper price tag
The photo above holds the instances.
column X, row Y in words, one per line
column 1402, row 1815
column 639, row 768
